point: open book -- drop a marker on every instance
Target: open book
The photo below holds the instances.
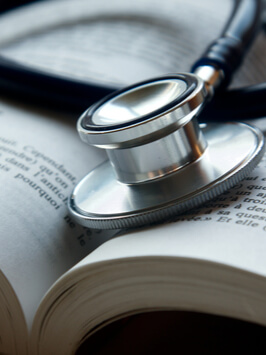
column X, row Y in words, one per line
column 60, row 282
column 210, row 260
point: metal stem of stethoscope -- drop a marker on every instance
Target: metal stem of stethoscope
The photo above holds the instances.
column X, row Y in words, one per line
column 161, row 161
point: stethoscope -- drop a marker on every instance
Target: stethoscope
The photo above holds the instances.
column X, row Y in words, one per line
column 161, row 160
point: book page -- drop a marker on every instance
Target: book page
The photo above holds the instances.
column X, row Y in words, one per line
column 111, row 42
column 41, row 160
column 209, row 260
column 118, row 42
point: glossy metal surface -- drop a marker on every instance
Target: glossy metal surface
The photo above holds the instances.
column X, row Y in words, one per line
column 138, row 102
column 160, row 160
column 211, row 76
column 138, row 115
column 156, row 159
column 101, row 201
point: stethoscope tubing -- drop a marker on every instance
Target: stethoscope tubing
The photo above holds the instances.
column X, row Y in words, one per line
column 30, row 84
column 226, row 53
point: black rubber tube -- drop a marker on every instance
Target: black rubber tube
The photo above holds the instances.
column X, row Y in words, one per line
column 236, row 105
column 37, row 87
column 226, row 52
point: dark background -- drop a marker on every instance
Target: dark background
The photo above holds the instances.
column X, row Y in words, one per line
column 9, row 4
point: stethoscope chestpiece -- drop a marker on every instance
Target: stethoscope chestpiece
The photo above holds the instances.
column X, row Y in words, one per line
column 161, row 161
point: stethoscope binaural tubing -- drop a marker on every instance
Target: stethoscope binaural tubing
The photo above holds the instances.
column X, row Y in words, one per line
column 226, row 53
